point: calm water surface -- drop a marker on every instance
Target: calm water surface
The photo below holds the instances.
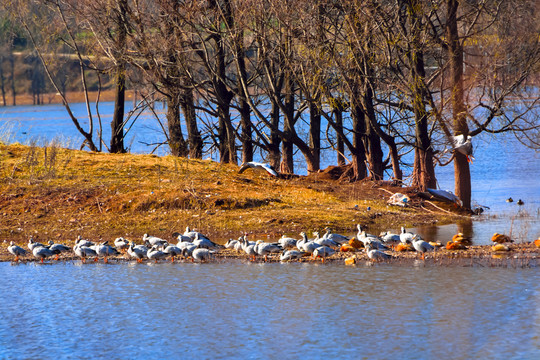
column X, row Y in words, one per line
column 275, row 311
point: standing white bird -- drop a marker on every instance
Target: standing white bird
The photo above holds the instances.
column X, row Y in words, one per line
column 376, row 255
column 83, row 242
column 105, row 250
column 41, row 252
column 16, row 250
column 121, row 244
column 83, row 252
column 172, row 251
column 421, row 246
column 310, row 245
column 389, row 238
column 249, row 248
column 363, row 236
column 137, row 251
column 259, row 167
column 187, row 250
column 60, row 247
column 33, row 244
column 405, row 237
column 264, row 249
column 155, row 254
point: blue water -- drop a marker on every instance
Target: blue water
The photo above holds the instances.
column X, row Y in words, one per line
column 275, row 311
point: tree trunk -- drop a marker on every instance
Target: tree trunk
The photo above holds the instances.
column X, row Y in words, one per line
column 275, row 140
column 314, row 137
column 194, row 136
column 12, row 69
column 374, row 153
column 340, row 146
column 424, row 171
column 287, row 160
column 358, row 152
column 117, row 123
column 176, row 138
column 462, row 174
column 246, row 137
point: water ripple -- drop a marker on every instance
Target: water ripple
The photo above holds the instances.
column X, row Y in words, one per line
column 270, row 311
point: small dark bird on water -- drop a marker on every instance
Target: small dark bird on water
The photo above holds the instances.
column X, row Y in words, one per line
column 509, row 200
column 520, row 202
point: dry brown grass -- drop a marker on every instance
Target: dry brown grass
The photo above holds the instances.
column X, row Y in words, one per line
column 55, row 193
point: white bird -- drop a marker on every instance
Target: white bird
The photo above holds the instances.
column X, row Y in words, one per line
column 300, row 243
column 33, row 244
column 389, row 238
column 188, row 249
column 137, row 251
column 421, row 246
column 405, row 237
column 172, row 251
column 202, row 255
column 363, row 236
column 287, row 242
column 310, row 246
column 83, row 242
column 291, row 255
column 42, row 252
column 105, row 250
column 376, row 255
column 463, row 145
column 155, row 254
column 338, row 238
column 239, row 245
column 83, row 252
column 249, row 248
column 323, row 252
column 153, row 240
column 259, row 167
column 231, row 244
column 264, row 249
column 375, row 244
column 181, row 237
column 16, row 250
column 60, row 247
column 326, row 242
column 121, row 244
column 204, row 242
column 194, row 234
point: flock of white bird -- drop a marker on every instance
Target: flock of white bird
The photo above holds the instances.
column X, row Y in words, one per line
column 198, row 247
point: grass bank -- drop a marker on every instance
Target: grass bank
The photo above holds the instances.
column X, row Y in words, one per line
column 56, row 193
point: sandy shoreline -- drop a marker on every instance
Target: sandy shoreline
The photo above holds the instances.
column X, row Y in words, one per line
column 520, row 256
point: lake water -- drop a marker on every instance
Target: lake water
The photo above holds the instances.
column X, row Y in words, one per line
column 503, row 167
column 272, row 311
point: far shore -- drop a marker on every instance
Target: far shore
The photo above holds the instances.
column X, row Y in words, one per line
column 71, row 96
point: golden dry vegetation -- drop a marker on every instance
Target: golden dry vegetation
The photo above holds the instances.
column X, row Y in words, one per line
column 55, row 193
